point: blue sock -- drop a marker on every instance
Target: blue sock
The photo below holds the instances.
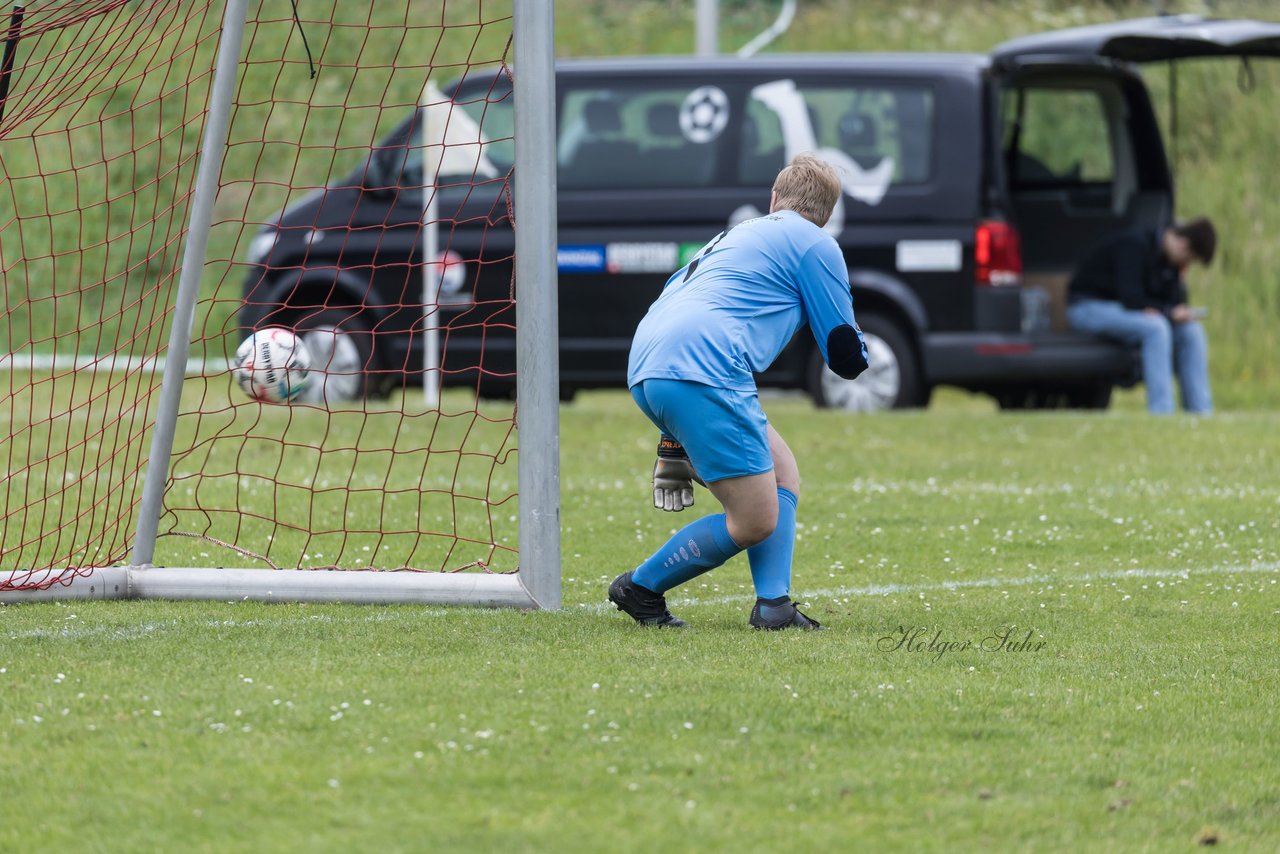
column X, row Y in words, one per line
column 696, row 548
column 771, row 559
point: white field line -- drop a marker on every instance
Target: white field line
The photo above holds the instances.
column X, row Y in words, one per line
column 1270, row 568
column 126, row 633
column 107, row 363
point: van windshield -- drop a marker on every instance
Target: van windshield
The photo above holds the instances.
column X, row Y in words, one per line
column 473, row 140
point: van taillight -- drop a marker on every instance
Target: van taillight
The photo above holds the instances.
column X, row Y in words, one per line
column 997, row 254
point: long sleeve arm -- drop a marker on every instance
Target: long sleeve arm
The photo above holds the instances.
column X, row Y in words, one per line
column 828, row 302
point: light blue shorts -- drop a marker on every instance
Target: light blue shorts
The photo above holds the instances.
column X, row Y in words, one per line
column 724, row 432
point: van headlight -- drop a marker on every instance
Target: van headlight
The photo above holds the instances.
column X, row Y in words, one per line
column 261, row 245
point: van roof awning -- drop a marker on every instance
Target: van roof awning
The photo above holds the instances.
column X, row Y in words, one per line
column 1158, row 39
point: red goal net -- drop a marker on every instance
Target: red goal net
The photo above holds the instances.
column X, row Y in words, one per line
column 363, row 205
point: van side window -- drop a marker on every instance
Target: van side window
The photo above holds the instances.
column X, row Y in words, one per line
column 1057, row 137
column 763, row 151
column 883, row 129
column 638, row 136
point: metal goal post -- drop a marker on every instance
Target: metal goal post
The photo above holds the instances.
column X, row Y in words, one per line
column 536, row 583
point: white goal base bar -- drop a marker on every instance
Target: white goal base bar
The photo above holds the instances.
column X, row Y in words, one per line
column 367, row 587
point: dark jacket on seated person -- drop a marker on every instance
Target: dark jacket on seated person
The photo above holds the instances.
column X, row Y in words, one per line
column 1132, row 270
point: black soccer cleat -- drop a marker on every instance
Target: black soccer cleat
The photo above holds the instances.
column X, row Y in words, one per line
column 645, row 606
column 781, row 613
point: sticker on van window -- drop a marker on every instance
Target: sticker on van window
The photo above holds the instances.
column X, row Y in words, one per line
column 868, row 186
column 642, row 257
column 704, row 114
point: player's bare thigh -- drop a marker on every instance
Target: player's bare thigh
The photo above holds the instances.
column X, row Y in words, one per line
column 785, row 470
column 751, row 503
column 750, row 506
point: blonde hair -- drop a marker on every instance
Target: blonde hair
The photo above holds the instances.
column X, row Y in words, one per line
column 808, row 186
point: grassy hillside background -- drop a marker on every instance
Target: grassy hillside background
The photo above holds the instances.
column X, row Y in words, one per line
column 1224, row 148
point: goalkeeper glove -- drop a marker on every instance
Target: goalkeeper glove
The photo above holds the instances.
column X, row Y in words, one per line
column 673, row 477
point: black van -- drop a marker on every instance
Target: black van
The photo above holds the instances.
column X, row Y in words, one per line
column 973, row 184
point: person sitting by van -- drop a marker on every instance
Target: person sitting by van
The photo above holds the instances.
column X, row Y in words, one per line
column 1131, row 289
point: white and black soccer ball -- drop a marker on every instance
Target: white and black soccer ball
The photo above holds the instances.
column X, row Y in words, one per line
column 272, row 365
column 704, row 114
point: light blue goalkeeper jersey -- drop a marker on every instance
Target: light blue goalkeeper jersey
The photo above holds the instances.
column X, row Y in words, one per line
column 732, row 310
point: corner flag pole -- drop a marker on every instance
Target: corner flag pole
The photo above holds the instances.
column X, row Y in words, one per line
column 432, row 99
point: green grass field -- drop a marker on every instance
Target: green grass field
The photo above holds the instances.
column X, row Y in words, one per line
column 1047, row 631
column 1142, row 556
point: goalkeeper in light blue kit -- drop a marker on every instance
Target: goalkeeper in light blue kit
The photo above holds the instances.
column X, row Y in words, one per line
column 729, row 313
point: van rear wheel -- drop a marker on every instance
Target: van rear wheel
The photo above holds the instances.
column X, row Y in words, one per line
column 891, row 381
